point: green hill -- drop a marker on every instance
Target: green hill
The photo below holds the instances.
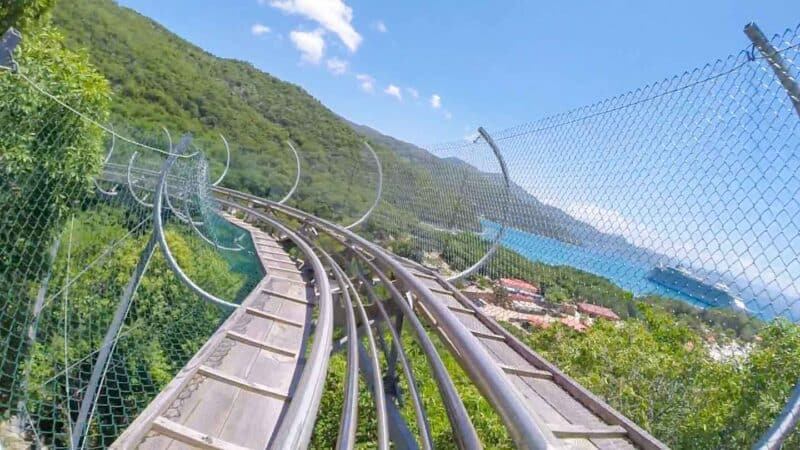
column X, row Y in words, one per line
column 160, row 80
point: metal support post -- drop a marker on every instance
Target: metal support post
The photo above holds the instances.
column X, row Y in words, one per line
column 777, row 63
column 92, row 389
column 9, row 42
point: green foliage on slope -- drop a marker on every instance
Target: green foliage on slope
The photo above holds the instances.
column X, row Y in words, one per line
column 165, row 326
column 48, row 157
column 659, row 375
column 161, row 80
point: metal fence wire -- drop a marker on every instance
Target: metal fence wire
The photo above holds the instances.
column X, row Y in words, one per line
column 684, row 193
column 687, row 189
column 75, row 238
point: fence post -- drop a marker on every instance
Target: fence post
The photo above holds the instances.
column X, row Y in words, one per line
column 786, row 422
column 775, row 61
column 8, row 44
column 92, row 389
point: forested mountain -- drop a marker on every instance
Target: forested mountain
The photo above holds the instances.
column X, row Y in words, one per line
column 526, row 212
column 160, row 80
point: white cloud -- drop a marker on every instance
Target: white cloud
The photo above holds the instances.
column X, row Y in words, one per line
column 380, row 26
column 412, row 92
column 436, row 101
column 333, row 15
column 472, row 137
column 394, row 91
column 337, row 66
column 366, row 82
column 259, row 29
column 447, row 115
column 310, row 44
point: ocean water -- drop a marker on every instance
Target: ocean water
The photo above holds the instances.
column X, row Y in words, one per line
column 626, row 271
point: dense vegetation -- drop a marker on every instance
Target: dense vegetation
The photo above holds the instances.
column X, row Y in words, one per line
column 485, row 420
column 659, row 375
column 47, row 157
column 163, row 329
column 653, row 367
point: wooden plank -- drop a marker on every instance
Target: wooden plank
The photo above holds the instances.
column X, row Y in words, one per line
column 584, row 432
column 424, row 275
column 280, row 253
column 526, row 372
column 241, row 383
column 294, row 271
column 288, row 280
column 191, row 437
column 285, row 297
column 440, row 290
column 276, row 318
column 259, row 344
column 492, row 336
column 460, row 309
column 278, row 258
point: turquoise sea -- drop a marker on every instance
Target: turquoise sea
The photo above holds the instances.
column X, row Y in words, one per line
column 626, row 271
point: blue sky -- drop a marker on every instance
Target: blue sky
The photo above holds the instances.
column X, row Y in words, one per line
column 490, row 63
column 706, row 175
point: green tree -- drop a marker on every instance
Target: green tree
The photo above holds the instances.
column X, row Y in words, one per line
column 24, row 15
column 48, row 157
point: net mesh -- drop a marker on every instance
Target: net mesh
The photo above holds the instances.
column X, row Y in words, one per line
column 681, row 197
column 685, row 190
column 77, row 220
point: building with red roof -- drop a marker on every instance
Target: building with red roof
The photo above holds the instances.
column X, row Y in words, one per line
column 538, row 322
column 597, row 311
column 575, row 324
column 516, row 286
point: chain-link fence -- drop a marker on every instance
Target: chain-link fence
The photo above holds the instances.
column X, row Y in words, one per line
column 93, row 322
column 687, row 188
column 682, row 195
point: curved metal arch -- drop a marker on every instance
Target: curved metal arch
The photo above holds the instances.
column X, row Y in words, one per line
column 227, row 161
column 113, row 192
column 180, row 216
column 158, row 229
column 378, row 194
column 209, row 241
column 296, row 178
column 499, row 237
column 130, row 185
column 169, row 138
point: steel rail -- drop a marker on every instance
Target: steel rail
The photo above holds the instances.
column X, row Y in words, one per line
column 113, row 192
column 297, row 175
column 378, row 391
column 296, row 426
column 130, row 185
column 419, row 409
column 526, row 428
column 227, row 161
column 464, row 432
column 349, row 422
column 500, row 234
column 347, row 427
column 593, row 403
column 378, row 194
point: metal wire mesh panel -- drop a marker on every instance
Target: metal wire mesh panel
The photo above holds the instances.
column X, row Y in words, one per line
column 682, row 195
column 93, row 322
